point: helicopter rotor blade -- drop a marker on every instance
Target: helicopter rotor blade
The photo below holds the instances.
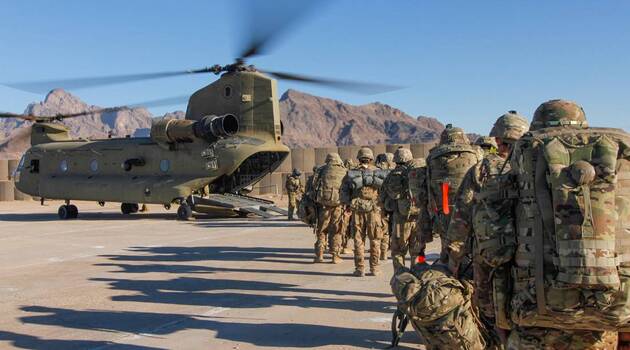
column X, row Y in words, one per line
column 266, row 25
column 348, row 85
column 45, row 86
column 169, row 101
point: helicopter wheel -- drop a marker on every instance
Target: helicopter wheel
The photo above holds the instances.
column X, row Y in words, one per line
column 184, row 212
column 129, row 208
column 74, row 211
column 66, row 212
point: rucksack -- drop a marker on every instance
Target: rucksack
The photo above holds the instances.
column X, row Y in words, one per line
column 439, row 308
column 327, row 184
column 571, row 227
column 447, row 165
column 401, row 189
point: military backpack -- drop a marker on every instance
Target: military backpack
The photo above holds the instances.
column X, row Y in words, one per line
column 570, row 230
column 327, row 184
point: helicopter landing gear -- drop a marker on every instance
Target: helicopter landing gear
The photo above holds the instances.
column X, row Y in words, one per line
column 129, row 208
column 184, row 212
column 68, row 211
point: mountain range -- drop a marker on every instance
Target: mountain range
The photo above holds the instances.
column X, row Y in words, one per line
column 309, row 121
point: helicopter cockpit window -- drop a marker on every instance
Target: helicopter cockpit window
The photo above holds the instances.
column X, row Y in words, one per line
column 165, row 165
column 34, row 166
column 63, row 165
column 94, row 165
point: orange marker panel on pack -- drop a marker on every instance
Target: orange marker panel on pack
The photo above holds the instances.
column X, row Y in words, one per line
column 445, row 209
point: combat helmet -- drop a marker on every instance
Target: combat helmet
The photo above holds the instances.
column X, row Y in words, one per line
column 486, row 142
column 333, row 159
column 559, row 113
column 402, row 156
column 453, row 135
column 365, row 152
column 296, row 172
column 509, row 127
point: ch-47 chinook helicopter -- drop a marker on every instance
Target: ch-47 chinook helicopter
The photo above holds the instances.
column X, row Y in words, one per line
column 230, row 138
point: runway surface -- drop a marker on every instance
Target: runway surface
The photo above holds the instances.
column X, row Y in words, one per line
column 148, row 281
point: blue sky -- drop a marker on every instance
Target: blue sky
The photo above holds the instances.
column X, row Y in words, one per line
column 464, row 62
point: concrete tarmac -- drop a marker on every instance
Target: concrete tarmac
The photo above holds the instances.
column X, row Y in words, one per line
column 148, row 281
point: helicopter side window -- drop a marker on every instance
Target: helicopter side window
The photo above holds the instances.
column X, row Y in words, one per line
column 228, row 92
column 34, row 168
column 94, row 165
column 165, row 165
column 63, row 166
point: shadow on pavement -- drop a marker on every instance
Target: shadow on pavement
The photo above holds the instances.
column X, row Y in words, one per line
column 23, row 341
column 276, row 335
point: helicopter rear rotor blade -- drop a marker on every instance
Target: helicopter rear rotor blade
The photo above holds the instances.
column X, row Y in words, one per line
column 348, row 85
column 44, row 86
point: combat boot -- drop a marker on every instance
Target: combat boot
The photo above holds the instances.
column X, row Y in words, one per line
column 359, row 273
column 375, row 271
column 383, row 255
column 336, row 259
column 318, row 259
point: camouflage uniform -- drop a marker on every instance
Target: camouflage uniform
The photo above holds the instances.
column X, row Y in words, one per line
column 366, row 219
column 307, row 207
column 385, row 161
column 447, row 164
column 531, row 213
column 346, row 229
column 294, row 190
column 469, row 210
column 326, row 185
column 395, row 196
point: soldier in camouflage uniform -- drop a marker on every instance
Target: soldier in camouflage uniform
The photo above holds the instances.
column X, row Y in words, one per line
column 469, row 209
column 395, row 196
column 567, row 115
column 488, row 143
column 385, row 161
column 326, row 185
column 346, row 229
column 294, row 189
column 359, row 193
column 447, row 164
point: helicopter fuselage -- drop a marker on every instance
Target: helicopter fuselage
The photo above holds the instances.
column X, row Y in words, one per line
column 162, row 169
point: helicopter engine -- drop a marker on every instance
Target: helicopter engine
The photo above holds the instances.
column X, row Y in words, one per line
column 210, row 128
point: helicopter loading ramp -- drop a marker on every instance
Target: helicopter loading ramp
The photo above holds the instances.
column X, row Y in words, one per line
column 241, row 204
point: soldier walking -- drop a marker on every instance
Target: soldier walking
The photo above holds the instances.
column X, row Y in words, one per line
column 360, row 194
column 294, row 189
column 327, row 184
column 396, row 197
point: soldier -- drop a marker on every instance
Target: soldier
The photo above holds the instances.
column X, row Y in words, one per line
column 294, row 189
column 327, row 184
column 395, row 196
column 447, row 164
column 360, row 194
column 308, row 208
column 385, row 161
column 556, row 231
column 346, row 228
column 468, row 215
column 488, row 143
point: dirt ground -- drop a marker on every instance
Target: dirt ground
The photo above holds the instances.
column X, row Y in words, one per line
column 148, row 281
